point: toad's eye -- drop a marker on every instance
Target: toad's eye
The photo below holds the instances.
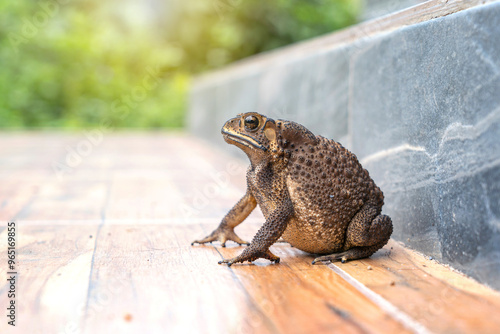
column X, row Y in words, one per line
column 251, row 123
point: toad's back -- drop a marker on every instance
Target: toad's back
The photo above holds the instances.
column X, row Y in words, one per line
column 327, row 186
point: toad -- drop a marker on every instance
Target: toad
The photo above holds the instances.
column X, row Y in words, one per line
column 313, row 192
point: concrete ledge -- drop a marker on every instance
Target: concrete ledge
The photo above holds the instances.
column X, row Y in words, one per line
column 417, row 100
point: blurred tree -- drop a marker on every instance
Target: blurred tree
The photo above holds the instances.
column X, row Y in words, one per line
column 74, row 64
column 215, row 33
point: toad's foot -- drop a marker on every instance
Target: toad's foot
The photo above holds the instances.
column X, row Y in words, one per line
column 332, row 258
column 351, row 254
column 222, row 235
column 250, row 254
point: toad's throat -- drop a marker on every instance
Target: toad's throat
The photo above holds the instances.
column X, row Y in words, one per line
column 243, row 140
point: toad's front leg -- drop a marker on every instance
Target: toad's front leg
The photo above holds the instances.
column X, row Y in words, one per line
column 233, row 218
column 267, row 235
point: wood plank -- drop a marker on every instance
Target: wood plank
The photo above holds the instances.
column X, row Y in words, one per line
column 155, row 282
column 67, row 200
column 138, row 272
column 141, row 273
column 16, row 194
column 298, row 296
column 24, row 163
column 148, row 278
column 53, row 269
column 441, row 299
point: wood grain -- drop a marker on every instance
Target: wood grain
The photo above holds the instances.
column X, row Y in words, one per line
column 441, row 299
column 54, row 263
column 298, row 296
column 107, row 248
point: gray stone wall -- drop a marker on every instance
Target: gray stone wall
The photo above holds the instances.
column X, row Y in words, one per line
column 419, row 106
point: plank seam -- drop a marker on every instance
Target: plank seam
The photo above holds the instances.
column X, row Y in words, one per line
column 383, row 303
column 252, row 301
column 91, row 272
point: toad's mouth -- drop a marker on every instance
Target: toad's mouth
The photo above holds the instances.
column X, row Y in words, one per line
column 229, row 135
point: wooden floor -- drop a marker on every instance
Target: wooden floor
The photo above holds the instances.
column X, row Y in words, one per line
column 103, row 246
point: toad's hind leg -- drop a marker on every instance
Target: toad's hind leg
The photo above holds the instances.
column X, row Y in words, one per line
column 368, row 232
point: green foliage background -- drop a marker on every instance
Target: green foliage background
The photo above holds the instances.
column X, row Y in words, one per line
column 74, row 63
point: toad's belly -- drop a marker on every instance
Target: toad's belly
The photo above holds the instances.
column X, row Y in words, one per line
column 314, row 238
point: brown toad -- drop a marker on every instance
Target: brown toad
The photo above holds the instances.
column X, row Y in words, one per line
column 312, row 191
